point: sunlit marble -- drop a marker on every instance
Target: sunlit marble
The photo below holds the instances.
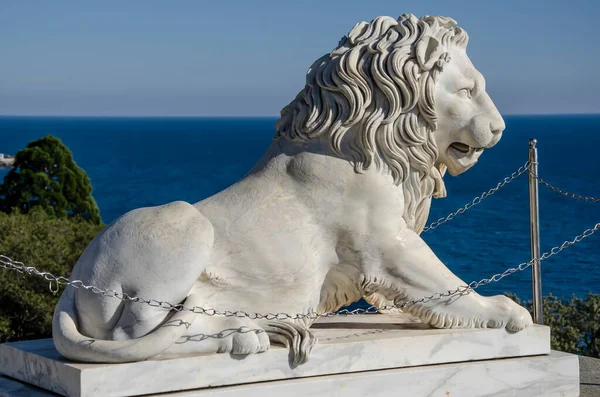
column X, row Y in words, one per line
column 554, row 375
column 331, row 213
column 347, row 344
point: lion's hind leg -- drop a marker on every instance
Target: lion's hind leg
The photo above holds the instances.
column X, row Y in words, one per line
column 219, row 334
column 296, row 337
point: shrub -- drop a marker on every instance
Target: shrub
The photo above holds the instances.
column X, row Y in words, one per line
column 575, row 323
column 48, row 243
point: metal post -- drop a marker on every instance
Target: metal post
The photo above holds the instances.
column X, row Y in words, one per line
column 534, row 233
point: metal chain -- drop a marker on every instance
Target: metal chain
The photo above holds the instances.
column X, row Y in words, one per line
column 478, row 199
column 7, row 263
column 544, row 256
column 575, row 196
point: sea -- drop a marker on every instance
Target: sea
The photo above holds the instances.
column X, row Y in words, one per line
column 140, row 162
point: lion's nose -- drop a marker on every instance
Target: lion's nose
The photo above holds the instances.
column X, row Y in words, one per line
column 497, row 126
column 494, row 141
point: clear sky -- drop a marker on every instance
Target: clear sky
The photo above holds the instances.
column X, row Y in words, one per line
column 249, row 57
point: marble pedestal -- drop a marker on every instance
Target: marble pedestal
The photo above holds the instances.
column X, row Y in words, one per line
column 393, row 348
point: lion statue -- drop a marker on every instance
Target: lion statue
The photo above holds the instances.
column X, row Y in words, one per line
column 331, row 213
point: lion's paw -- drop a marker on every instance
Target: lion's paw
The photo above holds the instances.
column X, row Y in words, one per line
column 516, row 317
column 475, row 311
column 247, row 337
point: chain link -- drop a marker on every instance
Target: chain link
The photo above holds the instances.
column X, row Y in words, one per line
column 575, row 196
column 7, row 263
column 478, row 199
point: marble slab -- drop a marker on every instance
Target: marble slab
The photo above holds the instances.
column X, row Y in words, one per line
column 554, row 375
column 346, row 345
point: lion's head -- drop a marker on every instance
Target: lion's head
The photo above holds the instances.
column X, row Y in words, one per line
column 412, row 99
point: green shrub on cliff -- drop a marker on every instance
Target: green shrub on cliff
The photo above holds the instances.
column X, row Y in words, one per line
column 45, row 176
column 575, row 323
column 48, row 243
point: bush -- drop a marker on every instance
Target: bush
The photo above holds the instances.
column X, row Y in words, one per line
column 575, row 323
column 48, row 243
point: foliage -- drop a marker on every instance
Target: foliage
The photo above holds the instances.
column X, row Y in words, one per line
column 575, row 323
column 45, row 175
column 49, row 243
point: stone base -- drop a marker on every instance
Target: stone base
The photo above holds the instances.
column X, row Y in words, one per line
column 346, row 345
column 554, row 375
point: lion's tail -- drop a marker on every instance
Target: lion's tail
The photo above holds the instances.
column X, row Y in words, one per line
column 74, row 346
column 296, row 337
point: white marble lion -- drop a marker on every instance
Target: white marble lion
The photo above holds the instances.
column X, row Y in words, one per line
column 331, row 213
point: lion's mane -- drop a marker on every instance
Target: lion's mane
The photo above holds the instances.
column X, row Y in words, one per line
column 380, row 81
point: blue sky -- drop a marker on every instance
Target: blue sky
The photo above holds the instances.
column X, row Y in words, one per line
column 249, row 58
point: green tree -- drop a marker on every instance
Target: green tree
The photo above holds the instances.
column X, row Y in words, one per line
column 46, row 176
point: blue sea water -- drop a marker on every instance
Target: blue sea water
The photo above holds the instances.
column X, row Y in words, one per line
column 137, row 162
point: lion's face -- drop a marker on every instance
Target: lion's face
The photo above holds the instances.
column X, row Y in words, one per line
column 468, row 120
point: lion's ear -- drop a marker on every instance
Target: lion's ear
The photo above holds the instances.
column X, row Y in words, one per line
column 429, row 50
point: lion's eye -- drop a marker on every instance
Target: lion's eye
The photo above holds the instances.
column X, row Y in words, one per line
column 464, row 93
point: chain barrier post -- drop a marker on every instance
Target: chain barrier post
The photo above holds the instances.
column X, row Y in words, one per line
column 534, row 233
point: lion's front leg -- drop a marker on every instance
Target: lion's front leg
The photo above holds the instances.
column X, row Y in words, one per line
column 406, row 269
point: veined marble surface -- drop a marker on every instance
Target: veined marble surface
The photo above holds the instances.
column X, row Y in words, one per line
column 360, row 343
column 554, row 375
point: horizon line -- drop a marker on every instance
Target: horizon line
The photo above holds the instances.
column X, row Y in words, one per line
column 230, row 116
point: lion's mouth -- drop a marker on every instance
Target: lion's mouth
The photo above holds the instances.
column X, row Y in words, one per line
column 461, row 150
